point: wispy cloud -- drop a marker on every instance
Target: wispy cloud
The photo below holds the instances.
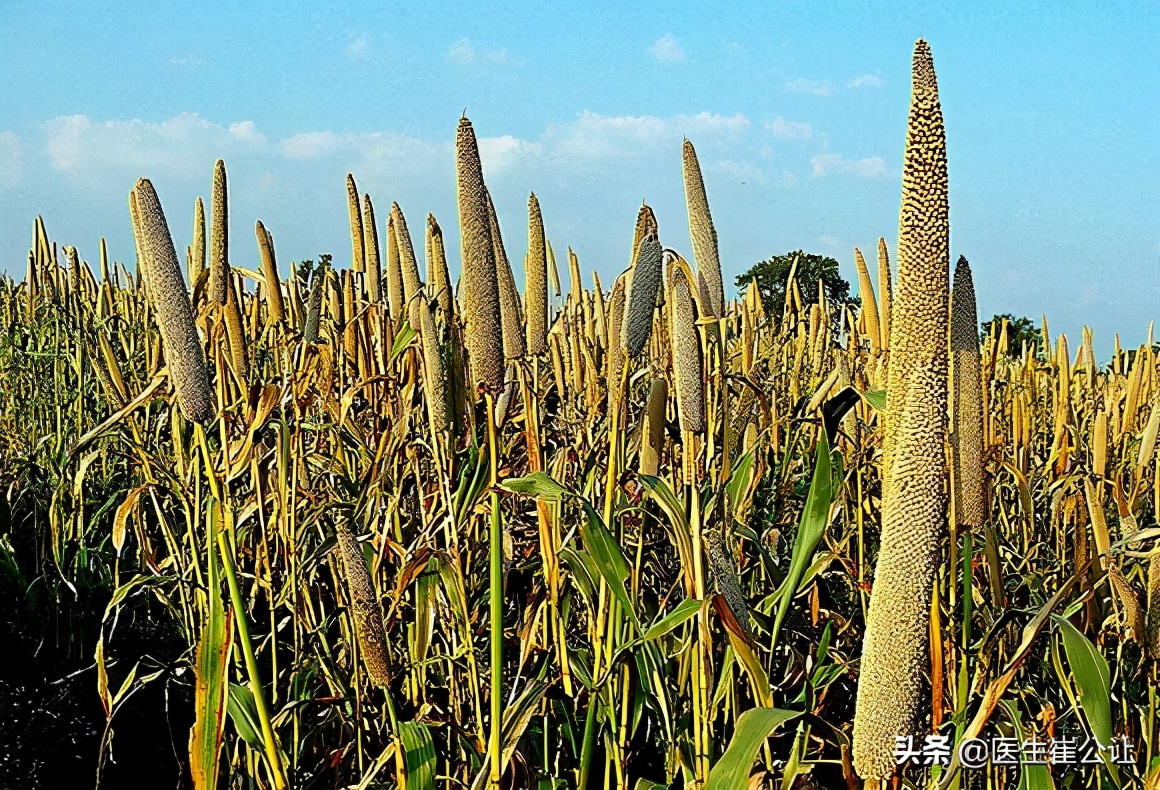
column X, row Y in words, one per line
column 595, row 136
column 187, row 61
column 308, row 145
column 836, row 164
column 790, row 130
column 829, row 87
column 11, row 166
column 359, row 49
column 667, row 48
column 466, row 52
column 865, row 81
column 79, row 147
column 816, row 87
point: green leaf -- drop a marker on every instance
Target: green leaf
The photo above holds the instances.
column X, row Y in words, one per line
column 685, row 610
column 403, row 339
column 211, row 675
column 812, row 526
column 876, row 398
column 419, row 753
column 244, row 715
column 584, row 572
column 1090, row 670
column 538, row 484
column 753, row 726
column 607, row 557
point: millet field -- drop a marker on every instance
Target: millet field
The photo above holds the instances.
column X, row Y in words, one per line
column 365, row 526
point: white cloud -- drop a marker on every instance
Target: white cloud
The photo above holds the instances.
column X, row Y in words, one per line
column 594, row 136
column 186, row 60
column 247, row 131
column 465, row 52
column 500, row 153
column 791, row 130
column 81, row 148
column 836, row 164
column 308, row 145
column 359, row 49
column 828, row 87
column 865, row 81
column 816, row 87
column 830, row 240
column 667, row 48
column 11, row 166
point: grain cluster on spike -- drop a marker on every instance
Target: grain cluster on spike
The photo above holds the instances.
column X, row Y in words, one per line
column 894, row 653
column 510, row 310
column 368, row 617
column 536, row 281
column 270, row 272
column 480, row 290
column 702, row 233
column 371, row 250
column 686, row 349
column 966, row 400
column 171, row 309
column 641, row 296
column 219, row 263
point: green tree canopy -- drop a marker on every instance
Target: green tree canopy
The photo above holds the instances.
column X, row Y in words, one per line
column 1018, row 330
column 772, row 276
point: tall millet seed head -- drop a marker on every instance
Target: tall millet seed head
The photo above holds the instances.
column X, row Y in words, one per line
column 641, row 296
column 702, row 233
column 510, row 311
column 480, row 288
column 270, row 272
column 894, row 653
column 536, row 281
column 885, row 289
column 219, row 250
column 869, row 303
column 371, row 250
column 686, row 348
column 365, row 610
column 171, row 309
column 408, row 265
column 197, row 251
column 357, row 255
column 966, row 401
column 437, row 275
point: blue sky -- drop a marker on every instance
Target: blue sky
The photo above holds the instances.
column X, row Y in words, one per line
column 797, row 110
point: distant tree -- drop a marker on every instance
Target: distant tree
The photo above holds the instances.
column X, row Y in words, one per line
column 1018, row 330
column 772, row 276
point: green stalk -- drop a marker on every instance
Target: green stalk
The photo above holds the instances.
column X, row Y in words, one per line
column 495, row 599
column 227, row 556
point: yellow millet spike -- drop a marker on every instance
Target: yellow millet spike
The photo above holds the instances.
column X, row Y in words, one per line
column 171, row 309
column 437, row 274
column 894, row 653
column 536, row 281
column 481, row 313
column 702, row 234
column 869, row 303
column 270, row 272
column 966, row 401
column 884, row 292
column 374, row 268
column 357, row 256
column 510, row 311
column 219, row 253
